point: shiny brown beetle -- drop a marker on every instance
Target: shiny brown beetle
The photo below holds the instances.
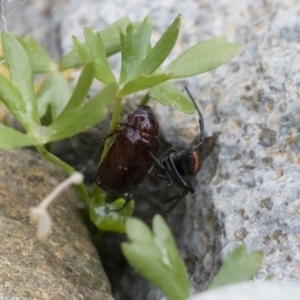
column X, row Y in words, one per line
column 130, row 157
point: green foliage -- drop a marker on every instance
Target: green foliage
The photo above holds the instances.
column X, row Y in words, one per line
column 161, row 50
column 102, row 70
column 133, row 49
column 111, row 40
column 109, row 221
column 11, row 139
column 167, row 94
column 155, row 256
column 22, row 77
column 39, row 59
column 239, row 266
column 53, row 94
column 202, row 57
column 65, row 111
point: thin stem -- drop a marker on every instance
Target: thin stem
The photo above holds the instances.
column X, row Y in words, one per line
column 80, row 188
column 145, row 99
column 115, row 121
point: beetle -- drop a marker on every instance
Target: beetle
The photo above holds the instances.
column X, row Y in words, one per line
column 130, row 157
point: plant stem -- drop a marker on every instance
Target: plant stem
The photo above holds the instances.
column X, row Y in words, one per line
column 115, row 121
column 145, row 100
column 80, row 188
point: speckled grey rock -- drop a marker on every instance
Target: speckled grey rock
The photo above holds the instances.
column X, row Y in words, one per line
column 39, row 18
column 247, row 190
column 263, row 290
column 66, row 264
column 253, row 103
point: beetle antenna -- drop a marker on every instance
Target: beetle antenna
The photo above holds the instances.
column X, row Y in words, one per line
column 201, row 123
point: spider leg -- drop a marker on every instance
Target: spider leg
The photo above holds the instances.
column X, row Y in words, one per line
column 176, row 202
column 169, row 150
column 168, row 177
column 191, row 189
column 201, row 122
column 173, row 205
column 179, row 178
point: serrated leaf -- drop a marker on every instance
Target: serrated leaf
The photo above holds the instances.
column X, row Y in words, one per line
column 11, row 139
column 111, row 40
column 161, row 50
column 155, row 256
column 109, row 221
column 82, row 118
column 111, row 35
column 55, row 92
column 202, row 57
column 142, row 82
column 81, row 89
column 102, row 70
column 134, row 45
column 239, row 266
column 14, row 101
column 64, row 101
column 21, row 75
column 82, row 50
column 39, row 59
column 167, row 93
column 70, row 60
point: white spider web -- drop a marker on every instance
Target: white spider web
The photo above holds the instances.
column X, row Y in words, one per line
column 7, row 7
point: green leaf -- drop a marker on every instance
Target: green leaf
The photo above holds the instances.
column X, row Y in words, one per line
column 138, row 232
column 11, row 139
column 21, row 75
column 162, row 49
column 102, row 70
column 155, row 256
column 239, row 266
column 111, row 40
column 111, row 35
column 110, row 221
column 167, row 93
column 14, row 101
column 82, row 118
column 134, row 45
column 70, row 60
column 203, row 57
column 81, row 90
column 39, row 59
column 55, row 92
column 82, row 50
column 142, row 82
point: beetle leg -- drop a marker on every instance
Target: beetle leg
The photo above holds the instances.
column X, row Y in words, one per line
column 105, row 138
column 127, row 199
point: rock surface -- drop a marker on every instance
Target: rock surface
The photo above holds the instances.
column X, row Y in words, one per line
column 264, row 290
column 66, row 264
column 247, row 190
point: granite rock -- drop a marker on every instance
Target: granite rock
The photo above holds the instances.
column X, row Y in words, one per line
column 63, row 266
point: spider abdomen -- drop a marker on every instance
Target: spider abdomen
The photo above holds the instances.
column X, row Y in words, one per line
column 187, row 162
